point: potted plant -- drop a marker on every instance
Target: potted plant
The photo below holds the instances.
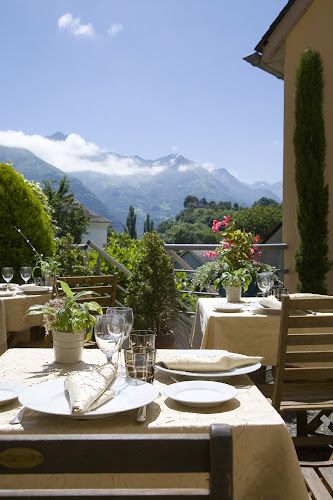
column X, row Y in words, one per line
column 49, row 268
column 234, row 266
column 151, row 289
column 69, row 321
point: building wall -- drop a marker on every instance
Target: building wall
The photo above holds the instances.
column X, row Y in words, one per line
column 97, row 232
column 313, row 30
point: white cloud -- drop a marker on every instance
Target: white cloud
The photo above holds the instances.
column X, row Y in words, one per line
column 174, row 149
column 75, row 154
column 74, row 26
column 115, row 29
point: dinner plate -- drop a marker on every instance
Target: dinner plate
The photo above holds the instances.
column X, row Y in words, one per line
column 50, row 397
column 7, row 293
column 208, row 375
column 9, row 391
column 266, row 310
column 34, row 289
column 201, row 393
column 229, row 308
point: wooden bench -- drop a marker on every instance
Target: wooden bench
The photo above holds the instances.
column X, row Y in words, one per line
column 152, row 453
column 319, row 479
column 103, row 286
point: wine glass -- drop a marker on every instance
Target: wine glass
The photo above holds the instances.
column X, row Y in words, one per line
column 127, row 314
column 25, row 274
column 265, row 281
column 109, row 331
column 7, row 274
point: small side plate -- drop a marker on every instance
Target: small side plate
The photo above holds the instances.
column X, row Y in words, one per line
column 200, row 393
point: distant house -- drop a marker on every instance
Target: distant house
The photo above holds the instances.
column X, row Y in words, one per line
column 97, row 229
column 302, row 24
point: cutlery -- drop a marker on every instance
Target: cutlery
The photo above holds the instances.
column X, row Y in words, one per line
column 19, row 417
column 141, row 416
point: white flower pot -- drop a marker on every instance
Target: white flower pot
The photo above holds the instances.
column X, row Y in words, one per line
column 68, row 347
column 233, row 294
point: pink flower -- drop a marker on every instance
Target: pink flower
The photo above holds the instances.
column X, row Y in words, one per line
column 210, row 254
column 226, row 244
column 256, row 239
column 253, row 251
column 259, row 254
column 216, row 226
column 226, row 220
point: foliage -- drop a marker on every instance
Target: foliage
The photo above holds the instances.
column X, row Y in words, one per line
column 69, row 215
column 265, row 202
column 234, row 264
column 151, row 287
column 185, row 297
column 48, row 266
column 259, row 219
column 65, row 314
column 20, row 207
column 71, row 259
column 148, row 224
column 312, row 262
column 131, row 223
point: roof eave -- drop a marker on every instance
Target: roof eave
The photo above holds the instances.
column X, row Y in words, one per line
column 256, row 60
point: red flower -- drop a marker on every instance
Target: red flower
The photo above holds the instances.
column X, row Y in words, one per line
column 226, row 244
column 210, row 254
column 256, row 239
column 226, row 220
column 216, row 225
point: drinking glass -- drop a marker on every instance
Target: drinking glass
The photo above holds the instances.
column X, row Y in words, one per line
column 109, row 331
column 25, row 274
column 127, row 314
column 265, row 281
column 7, row 274
column 141, row 355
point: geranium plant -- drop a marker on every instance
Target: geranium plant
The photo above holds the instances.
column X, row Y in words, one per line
column 65, row 314
column 234, row 263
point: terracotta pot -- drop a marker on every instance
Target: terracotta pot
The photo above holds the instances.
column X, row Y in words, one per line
column 68, row 347
column 233, row 293
column 164, row 341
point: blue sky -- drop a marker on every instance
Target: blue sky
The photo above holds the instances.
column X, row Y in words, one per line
column 146, row 77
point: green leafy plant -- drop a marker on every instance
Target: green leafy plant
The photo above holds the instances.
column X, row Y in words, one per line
column 151, row 290
column 312, row 262
column 65, row 313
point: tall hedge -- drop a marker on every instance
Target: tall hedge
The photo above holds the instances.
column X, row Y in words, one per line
column 21, row 207
column 312, row 261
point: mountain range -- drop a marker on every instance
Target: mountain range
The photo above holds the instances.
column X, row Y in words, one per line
column 156, row 187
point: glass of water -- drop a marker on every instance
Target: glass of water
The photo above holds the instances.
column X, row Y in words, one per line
column 265, row 281
column 7, row 274
column 109, row 332
column 25, row 273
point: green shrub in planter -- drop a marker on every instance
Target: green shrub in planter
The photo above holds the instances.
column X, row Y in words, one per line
column 151, row 287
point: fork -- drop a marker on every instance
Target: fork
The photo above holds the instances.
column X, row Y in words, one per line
column 18, row 418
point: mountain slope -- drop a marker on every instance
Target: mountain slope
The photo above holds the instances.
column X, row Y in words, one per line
column 33, row 168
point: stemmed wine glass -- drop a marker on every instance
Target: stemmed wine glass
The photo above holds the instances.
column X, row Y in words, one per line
column 127, row 314
column 109, row 332
column 7, row 274
column 25, row 274
column 265, row 281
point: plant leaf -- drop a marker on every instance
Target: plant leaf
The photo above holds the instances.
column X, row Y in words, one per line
column 66, row 289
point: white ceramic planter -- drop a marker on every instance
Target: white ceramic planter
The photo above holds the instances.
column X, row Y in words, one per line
column 68, row 347
column 233, row 294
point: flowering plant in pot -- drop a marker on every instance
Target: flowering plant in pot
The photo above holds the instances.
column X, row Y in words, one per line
column 234, row 265
column 69, row 321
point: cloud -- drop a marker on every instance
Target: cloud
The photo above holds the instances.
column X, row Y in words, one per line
column 75, row 154
column 74, row 26
column 115, row 29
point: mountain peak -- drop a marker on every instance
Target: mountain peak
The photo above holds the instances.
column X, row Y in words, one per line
column 57, row 136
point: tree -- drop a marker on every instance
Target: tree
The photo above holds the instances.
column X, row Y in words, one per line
column 21, row 208
column 148, row 225
column 265, row 202
column 68, row 214
column 311, row 260
column 131, row 224
column 191, row 200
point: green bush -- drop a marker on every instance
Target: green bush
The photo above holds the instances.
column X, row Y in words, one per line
column 151, row 290
column 21, row 207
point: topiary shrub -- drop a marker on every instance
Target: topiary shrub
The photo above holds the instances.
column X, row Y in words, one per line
column 312, row 261
column 151, row 289
column 21, row 207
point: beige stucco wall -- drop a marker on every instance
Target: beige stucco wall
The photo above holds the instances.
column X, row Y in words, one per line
column 315, row 30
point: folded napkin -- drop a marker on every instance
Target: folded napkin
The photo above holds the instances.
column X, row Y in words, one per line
column 270, row 302
column 212, row 360
column 89, row 389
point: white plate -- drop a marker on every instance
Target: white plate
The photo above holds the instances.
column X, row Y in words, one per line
column 50, row 397
column 229, row 308
column 9, row 391
column 200, row 393
column 34, row 289
column 7, row 293
column 209, row 375
column 266, row 310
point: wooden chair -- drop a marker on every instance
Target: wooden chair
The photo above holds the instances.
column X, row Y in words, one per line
column 152, row 453
column 105, row 286
column 319, row 479
column 304, row 375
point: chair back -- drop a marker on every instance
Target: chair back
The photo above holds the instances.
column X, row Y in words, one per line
column 124, row 454
column 305, row 357
column 104, row 286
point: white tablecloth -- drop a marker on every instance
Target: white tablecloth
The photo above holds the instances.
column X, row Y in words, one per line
column 13, row 315
column 265, row 462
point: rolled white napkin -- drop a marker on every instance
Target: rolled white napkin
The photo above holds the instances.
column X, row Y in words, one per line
column 270, row 302
column 89, row 389
column 211, row 360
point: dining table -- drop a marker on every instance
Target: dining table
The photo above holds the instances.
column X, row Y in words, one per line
column 13, row 314
column 265, row 465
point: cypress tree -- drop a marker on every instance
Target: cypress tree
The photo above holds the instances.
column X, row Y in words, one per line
column 131, row 224
column 148, row 225
column 312, row 261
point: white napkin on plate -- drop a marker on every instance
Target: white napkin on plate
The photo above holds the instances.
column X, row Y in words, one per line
column 270, row 303
column 212, row 360
column 89, row 389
